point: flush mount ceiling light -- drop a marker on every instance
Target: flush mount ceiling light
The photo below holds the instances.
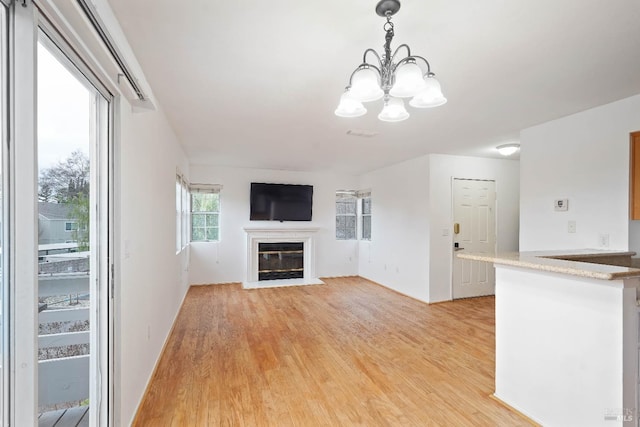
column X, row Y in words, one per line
column 508, row 149
column 390, row 78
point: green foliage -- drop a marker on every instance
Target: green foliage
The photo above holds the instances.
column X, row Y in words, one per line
column 205, row 202
column 205, row 208
column 80, row 212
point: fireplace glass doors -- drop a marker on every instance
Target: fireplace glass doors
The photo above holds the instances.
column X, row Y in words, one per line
column 283, row 260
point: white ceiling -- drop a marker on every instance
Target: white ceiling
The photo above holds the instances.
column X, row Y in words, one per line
column 254, row 83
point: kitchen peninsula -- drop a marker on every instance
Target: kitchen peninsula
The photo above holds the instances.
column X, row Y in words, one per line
column 567, row 335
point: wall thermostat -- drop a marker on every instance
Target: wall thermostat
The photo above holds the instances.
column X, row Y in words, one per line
column 561, row 204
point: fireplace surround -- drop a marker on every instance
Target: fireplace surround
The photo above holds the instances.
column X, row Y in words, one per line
column 298, row 236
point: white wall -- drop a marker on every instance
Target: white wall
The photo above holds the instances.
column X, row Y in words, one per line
column 225, row 261
column 411, row 206
column 584, row 158
column 443, row 169
column 398, row 254
column 565, row 346
column 153, row 280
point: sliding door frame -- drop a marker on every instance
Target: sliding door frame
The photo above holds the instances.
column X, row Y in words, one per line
column 21, row 218
column 4, row 217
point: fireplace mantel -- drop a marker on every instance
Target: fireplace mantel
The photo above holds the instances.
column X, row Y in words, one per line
column 280, row 230
column 256, row 235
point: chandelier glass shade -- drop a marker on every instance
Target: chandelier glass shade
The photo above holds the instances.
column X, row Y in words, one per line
column 365, row 86
column 350, row 107
column 408, row 81
column 391, row 78
column 393, row 110
column 430, row 96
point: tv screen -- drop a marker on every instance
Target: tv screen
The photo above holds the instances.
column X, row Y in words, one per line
column 281, row 202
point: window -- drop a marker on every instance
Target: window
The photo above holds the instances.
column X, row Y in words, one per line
column 178, row 213
column 205, row 213
column 346, row 215
column 70, row 226
column 184, row 226
column 182, row 213
column 365, row 214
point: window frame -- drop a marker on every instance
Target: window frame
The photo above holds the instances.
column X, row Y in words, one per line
column 362, row 196
column 178, row 213
column 182, row 212
column 204, row 189
column 351, row 196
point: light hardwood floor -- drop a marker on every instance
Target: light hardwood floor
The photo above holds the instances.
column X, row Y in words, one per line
column 346, row 353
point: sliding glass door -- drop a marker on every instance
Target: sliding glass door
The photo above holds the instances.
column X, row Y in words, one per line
column 65, row 217
column 3, row 223
column 56, row 218
column 73, row 223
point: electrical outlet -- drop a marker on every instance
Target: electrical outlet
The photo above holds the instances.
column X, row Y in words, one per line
column 571, row 227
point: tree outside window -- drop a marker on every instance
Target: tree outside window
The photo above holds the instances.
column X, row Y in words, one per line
column 205, row 217
column 67, row 183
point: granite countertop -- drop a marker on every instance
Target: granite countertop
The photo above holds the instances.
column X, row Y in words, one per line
column 592, row 263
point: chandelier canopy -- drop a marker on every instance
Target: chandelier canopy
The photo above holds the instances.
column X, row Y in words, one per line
column 390, row 78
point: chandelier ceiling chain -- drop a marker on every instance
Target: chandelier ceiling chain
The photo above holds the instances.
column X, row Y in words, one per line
column 388, row 27
column 390, row 80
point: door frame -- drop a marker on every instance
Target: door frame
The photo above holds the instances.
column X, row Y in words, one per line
column 4, row 216
column 23, row 174
column 452, row 219
column 26, row 21
column 105, row 153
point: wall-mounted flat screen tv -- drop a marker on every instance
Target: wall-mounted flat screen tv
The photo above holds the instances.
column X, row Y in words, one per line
column 281, row 202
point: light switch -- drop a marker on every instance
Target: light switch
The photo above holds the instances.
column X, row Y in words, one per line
column 561, row 205
column 571, row 227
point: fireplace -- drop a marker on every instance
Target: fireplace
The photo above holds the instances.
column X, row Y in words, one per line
column 280, row 257
column 281, row 260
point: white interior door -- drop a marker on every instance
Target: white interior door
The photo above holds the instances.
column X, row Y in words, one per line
column 474, row 221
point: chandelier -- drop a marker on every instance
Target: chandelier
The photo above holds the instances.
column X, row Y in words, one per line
column 390, row 78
